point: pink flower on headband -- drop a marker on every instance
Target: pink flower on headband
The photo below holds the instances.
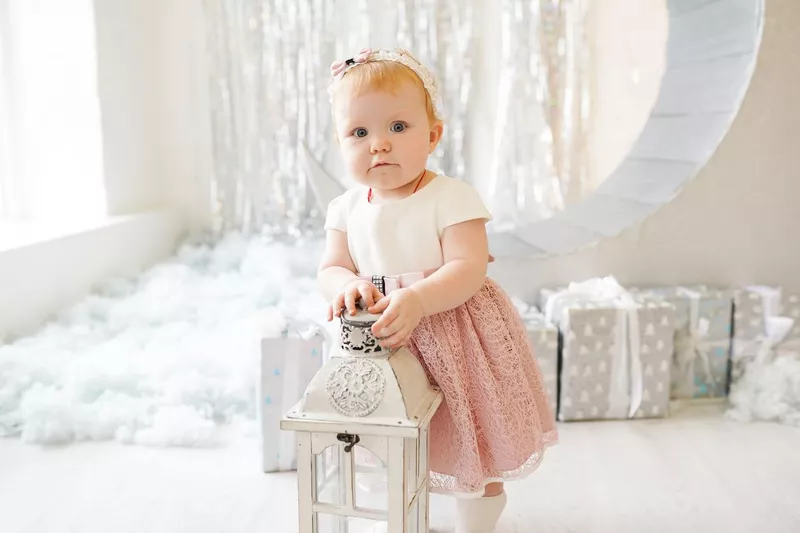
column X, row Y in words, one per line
column 339, row 67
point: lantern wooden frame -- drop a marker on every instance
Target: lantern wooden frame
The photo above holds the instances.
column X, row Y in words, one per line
column 405, row 446
column 369, row 402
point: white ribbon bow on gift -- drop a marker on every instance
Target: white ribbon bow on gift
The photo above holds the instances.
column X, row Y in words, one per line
column 767, row 346
column 776, row 329
column 626, row 368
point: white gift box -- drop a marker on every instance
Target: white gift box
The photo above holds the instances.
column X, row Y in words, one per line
column 288, row 364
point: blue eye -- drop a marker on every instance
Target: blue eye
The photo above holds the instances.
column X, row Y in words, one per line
column 398, row 127
column 360, row 132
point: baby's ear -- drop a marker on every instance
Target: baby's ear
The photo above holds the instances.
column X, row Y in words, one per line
column 436, row 135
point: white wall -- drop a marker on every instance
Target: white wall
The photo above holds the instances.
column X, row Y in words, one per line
column 128, row 50
column 185, row 125
column 628, row 43
column 154, row 100
column 737, row 222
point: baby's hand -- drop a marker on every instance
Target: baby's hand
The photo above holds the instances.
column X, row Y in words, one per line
column 351, row 293
column 402, row 310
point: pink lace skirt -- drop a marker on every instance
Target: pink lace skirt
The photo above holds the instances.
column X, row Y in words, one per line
column 495, row 422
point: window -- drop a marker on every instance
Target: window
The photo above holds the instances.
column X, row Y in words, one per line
column 51, row 166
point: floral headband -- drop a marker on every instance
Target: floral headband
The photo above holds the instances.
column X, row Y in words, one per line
column 366, row 55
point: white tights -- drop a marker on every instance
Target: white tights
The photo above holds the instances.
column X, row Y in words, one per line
column 479, row 515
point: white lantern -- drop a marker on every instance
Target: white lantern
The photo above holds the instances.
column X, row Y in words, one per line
column 362, row 438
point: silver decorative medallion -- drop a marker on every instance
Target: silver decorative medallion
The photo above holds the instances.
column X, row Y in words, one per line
column 356, row 386
column 357, row 337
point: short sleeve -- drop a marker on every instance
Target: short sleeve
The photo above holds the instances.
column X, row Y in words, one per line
column 337, row 214
column 461, row 203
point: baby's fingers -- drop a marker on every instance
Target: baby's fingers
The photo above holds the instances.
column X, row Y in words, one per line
column 337, row 304
column 350, row 298
column 389, row 316
column 367, row 292
column 380, row 306
column 396, row 340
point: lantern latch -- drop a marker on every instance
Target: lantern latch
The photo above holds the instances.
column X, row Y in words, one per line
column 351, row 440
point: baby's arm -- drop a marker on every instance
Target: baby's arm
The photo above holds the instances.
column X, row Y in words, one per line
column 337, row 279
column 465, row 249
column 337, row 267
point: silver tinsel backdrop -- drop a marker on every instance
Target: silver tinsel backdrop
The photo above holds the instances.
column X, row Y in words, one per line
column 269, row 75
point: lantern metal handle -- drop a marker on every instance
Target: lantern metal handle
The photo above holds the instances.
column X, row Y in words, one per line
column 351, row 440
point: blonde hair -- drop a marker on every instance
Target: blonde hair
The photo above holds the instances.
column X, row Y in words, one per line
column 384, row 75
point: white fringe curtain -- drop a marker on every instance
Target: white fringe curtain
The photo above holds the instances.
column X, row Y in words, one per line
column 269, row 75
column 566, row 68
column 440, row 33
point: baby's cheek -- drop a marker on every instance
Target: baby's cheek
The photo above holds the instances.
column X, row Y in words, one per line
column 354, row 163
column 349, row 155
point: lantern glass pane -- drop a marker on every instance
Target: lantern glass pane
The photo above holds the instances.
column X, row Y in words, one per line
column 371, row 481
column 328, row 476
column 411, row 467
column 414, row 519
column 422, row 464
column 328, row 523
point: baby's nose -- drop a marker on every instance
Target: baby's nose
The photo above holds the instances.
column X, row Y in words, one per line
column 381, row 144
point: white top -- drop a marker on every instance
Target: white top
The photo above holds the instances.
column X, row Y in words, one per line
column 403, row 236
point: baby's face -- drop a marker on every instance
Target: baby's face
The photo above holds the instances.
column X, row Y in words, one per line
column 384, row 137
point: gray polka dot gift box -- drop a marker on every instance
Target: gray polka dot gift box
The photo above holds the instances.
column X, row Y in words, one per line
column 616, row 351
column 702, row 342
column 543, row 337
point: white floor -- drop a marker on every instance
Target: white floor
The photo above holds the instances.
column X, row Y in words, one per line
column 692, row 472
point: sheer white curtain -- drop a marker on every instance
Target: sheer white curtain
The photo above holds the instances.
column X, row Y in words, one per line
column 51, row 166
